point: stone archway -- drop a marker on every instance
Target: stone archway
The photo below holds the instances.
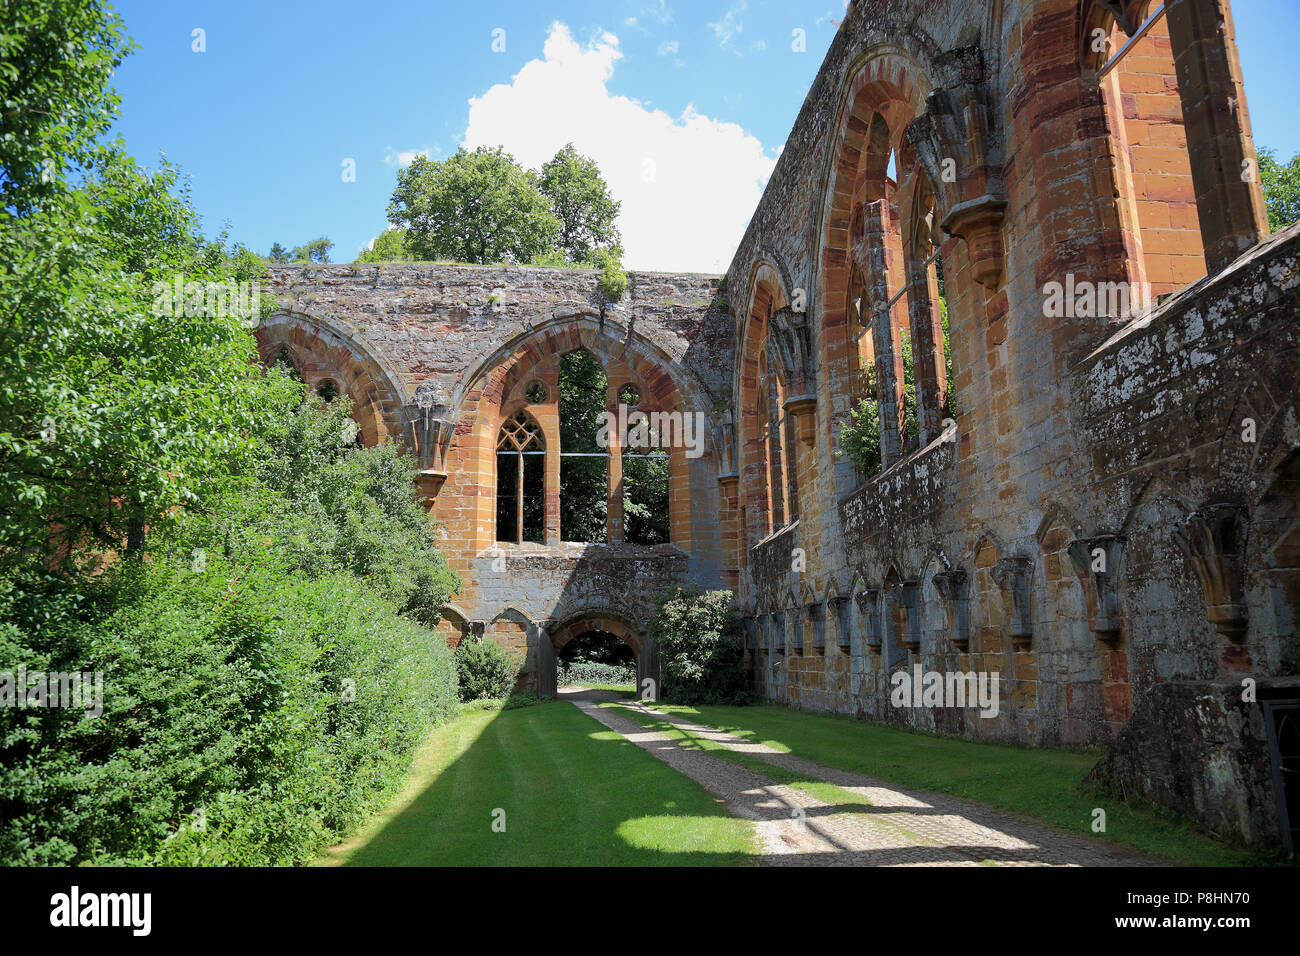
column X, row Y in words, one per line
column 552, row 639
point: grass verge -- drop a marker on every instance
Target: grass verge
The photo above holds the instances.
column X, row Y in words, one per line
column 1043, row 784
column 567, row 791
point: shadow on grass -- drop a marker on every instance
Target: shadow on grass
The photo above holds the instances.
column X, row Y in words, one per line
column 545, row 786
column 1042, row 784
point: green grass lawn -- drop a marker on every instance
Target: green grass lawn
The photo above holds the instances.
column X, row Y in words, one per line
column 1043, row 784
column 573, row 794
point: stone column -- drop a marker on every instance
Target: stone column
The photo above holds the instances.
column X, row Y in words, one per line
column 544, row 659
column 614, row 528
column 874, row 258
column 927, row 346
column 1229, row 200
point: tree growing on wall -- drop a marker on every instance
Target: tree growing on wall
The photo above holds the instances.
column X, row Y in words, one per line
column 482, row 207
column 477, row 206
column 317, row 251
column 581, row 200
column 389, row 246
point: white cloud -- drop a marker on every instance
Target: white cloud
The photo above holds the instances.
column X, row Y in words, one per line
column 688, row 184
column 727, row 28
column 669, row 48
column 657, row 10
column 404, row 157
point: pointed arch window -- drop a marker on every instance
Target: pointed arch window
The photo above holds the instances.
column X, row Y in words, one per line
column 521, row 480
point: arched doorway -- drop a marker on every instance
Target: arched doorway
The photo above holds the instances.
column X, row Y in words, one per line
column 647, row 659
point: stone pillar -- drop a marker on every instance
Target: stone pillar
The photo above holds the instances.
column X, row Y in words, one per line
column 1217, row 125
column 614, row 527
column 546, row 677
column 875, row 260
column 647, row 669
column 927, row 347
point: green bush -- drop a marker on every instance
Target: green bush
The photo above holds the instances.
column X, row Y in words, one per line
column 485, row 668
column 700, row 650
column 582, row 673
column 278, row 711
column 613, row 280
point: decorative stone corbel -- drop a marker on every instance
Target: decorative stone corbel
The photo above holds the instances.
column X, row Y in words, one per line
column 952, row 586
column 1098, row 562
column 955, row 140
column 1212, row 541
column 429, row 426
column 1012, row 575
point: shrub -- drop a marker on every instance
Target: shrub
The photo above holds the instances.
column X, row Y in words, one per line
column 700, row 650
column 485, row 668
column 590, row 672
column 613, row 280
column 249, row 716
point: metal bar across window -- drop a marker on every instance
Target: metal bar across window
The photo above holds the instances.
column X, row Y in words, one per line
column 1132, row 41
column 898, row 295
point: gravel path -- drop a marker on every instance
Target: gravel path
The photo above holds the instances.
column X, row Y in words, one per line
column 898, row 828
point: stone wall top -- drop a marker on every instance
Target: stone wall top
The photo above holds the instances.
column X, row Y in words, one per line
column 434, row 321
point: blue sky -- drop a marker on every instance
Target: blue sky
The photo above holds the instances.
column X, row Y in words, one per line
column 684, row 104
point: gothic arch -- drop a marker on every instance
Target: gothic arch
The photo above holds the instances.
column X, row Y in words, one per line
column 492, row 389
column 765, row 295
column 323, row 349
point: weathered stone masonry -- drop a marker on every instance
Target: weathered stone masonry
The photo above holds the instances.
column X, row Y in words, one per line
column 1092, row 524
column 438, row 356
column 1099, row 504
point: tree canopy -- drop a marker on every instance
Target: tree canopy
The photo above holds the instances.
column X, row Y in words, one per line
column 1281, row 184
column 482, row 207
column 581, row 200
column 478, row 207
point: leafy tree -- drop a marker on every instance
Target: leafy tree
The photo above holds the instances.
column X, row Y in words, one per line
column 279, row 558
column 331, row 506
column 700, row 651
column 581, row 200
column 115, row 411
column 583, row 480
column 389, row 246
column 317, row 251
column 55, row 63
column 478, row 207
column 645, row 499
column 278, row 253
column 596, row 647
column 1281, row 184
